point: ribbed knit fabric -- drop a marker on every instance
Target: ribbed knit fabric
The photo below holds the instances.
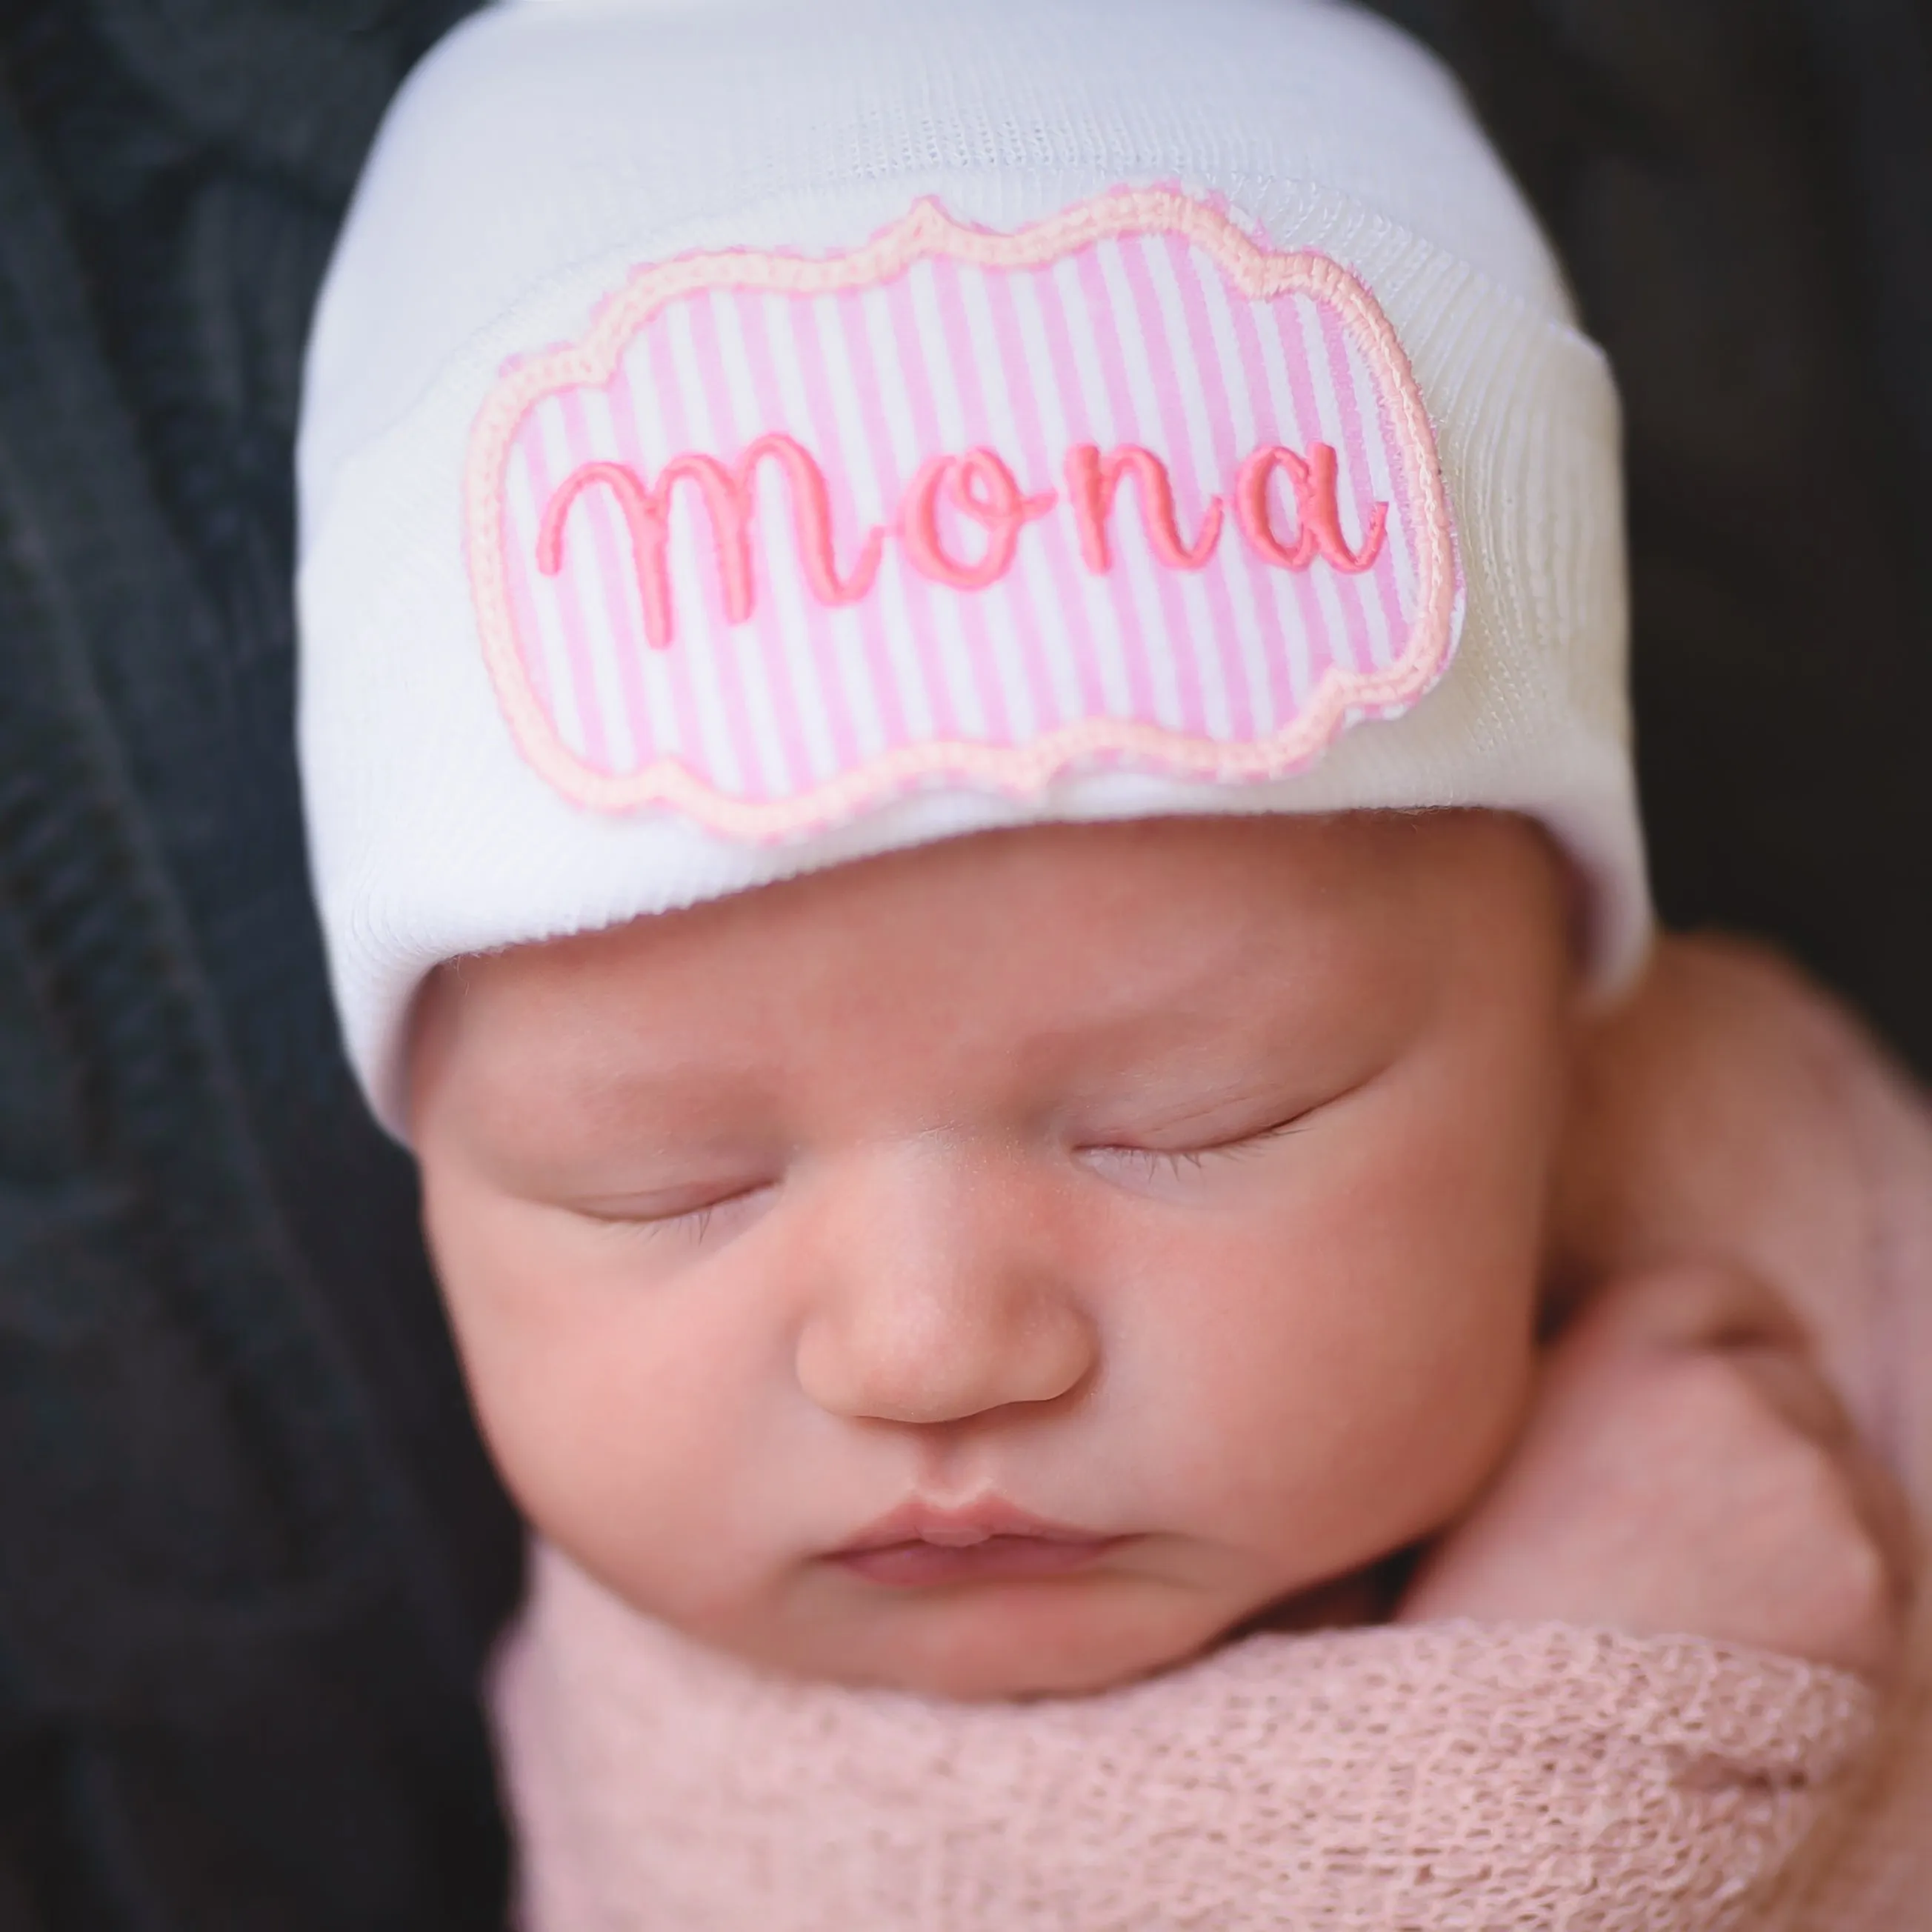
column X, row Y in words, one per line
column 1435, row 1776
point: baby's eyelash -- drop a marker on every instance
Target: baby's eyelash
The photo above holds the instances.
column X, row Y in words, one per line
column 691, row 1224
column 1174, row 1160
column 1148, row 1161
column 1295, row 1123
column 694, row 1223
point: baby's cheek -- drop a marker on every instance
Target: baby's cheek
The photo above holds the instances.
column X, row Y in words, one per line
column 583, row 1386
column 1342, row 1387
column 1448, row 1223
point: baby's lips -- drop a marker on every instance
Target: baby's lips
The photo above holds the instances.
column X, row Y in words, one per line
column 919, row 1564
column 920, row 1545
column 962, row 1525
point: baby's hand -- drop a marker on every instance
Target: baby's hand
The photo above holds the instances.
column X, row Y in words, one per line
column 1686, row 1471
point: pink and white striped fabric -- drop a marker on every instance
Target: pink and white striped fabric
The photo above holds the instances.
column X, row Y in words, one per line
column 783, row 535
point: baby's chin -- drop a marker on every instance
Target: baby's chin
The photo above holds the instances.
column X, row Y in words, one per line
column 1057, row 1637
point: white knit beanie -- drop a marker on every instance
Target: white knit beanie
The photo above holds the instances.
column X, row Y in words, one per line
column 744, row 435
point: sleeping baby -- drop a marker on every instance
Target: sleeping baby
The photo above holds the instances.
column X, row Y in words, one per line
column 964, row 725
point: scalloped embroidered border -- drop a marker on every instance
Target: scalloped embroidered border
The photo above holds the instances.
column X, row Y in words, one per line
column 1257, row 273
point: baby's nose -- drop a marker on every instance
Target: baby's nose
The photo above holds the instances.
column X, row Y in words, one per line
column 963, row 1314
column 911, row 1356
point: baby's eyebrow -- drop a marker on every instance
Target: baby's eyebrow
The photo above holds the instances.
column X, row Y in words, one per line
column 623, row 1158
column 645, row 1093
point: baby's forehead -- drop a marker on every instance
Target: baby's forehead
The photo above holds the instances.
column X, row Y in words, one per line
column 1041, row 927
column 1164, row 977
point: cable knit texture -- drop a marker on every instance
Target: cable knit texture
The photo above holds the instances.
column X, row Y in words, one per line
column 1437, row 1776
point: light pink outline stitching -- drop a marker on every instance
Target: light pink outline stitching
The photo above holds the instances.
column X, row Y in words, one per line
column 1257, row 273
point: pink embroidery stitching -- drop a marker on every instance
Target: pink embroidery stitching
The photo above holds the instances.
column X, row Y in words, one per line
column 1250, row 684
column 1320, row 534
column 1092, row 482
column 728, row 499
column 978, row 485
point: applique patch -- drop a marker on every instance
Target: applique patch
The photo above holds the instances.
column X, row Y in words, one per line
column 782, row 536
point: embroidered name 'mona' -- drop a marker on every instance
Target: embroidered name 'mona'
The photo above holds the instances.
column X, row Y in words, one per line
column 946, row 411
column 980, row 488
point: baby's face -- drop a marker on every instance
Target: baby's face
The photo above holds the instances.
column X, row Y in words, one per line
column 1003, row 1267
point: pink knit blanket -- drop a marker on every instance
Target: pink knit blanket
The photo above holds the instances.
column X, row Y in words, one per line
column 1436, row 1776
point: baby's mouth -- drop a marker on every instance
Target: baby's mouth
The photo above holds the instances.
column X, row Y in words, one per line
column 918, row 1547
